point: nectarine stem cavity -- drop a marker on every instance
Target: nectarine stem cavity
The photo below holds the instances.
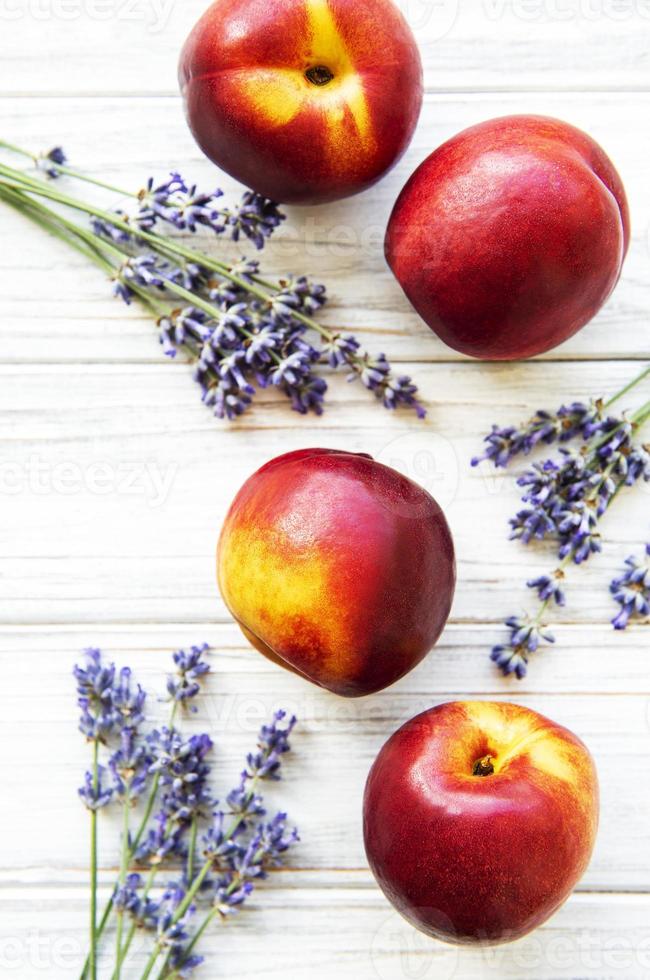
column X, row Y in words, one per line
column 319, row 75
column 483, row 767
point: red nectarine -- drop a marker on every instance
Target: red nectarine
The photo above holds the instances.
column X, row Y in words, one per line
column 510, row 236
column 305, row 101
column 479, row 819
column 338, row 568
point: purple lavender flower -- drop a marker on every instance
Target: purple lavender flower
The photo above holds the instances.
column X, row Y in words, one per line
column 50, row 162
column 272, row 744
column 340, row 349
column 94, row 793
column 128, row 702
column 172, row 932
column 228, row 892
column 95, row 696
column 185, row 207
column 401, row 391
column 146, row 271
column 375, row 374
column 256, row 218
column 228, row 400
column 248, row 342
column 632, row 590
column 579, row 419
column 308, row 395
column 183, row 964
column 241, row 862
column 159, row 202
column 232, row 368
column 265, row 340
column 638, row 465
column 161, row 841
column 192, row 277
column 183, row 773
column 526, row 635
column 243, row 802
column 503, row 444
column 570, row 421
column 130, row 766
column 126, row 898
column 273, row 840
column 548, row 588
column 190, row 670
column 104, row 229
column 531, row 522
column 219, row 843
column 239, row 847
column 200, row 210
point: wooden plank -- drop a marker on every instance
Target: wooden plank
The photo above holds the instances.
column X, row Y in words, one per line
column 115, row 481
column 334, row 744
column 339, row 927
column 123, row 47
column 72, row 317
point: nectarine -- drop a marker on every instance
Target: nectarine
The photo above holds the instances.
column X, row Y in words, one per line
column 338, row 568
column 479, row 819
column 510, row 236
column 305, row 101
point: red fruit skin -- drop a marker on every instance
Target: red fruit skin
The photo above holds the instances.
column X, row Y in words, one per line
column 510, row 236
column 254, row 114
column 480, row 859
column 338, row 568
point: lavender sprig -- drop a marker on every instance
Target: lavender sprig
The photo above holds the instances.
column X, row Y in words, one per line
column 565, row 499
column 631, row 590
column 112, row 709
column 187, row 209
column 51, row 162
column 239, row 844
column 185, row 684
column 242, row 332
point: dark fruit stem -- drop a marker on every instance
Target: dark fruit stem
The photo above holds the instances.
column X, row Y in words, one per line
column 483, row 767
column 319, row 75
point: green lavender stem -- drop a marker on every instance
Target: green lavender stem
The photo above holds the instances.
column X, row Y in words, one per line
column 257, row 286
column 122, row 878
column 64, row 169
column 134, row 846
column 198, row 881
column 628, row 387
column 132, row 930
column 209, row 918
column 93, row 867
column 191, row 850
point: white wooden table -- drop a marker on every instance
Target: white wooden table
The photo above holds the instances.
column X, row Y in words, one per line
column 130, row 567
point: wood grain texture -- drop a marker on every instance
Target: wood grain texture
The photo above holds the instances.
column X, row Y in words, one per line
column 114, row 481
column 131, row 46
column 340, row 925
